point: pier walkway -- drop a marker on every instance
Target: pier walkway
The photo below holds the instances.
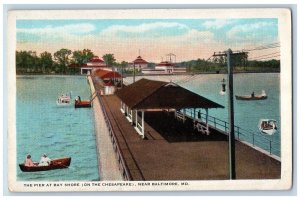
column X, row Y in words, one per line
column 173, row 151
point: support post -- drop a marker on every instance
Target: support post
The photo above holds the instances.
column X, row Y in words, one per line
column 143, row 128
column 206, row 118
column 231, row 138
column 136, row 118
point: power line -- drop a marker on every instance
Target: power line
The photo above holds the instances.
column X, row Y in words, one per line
column 263, row 59
column 267, row 46
column 265, row 55
column 191, row 77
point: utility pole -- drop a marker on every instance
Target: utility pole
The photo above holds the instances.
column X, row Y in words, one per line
column 133, row 72
column 231, row 138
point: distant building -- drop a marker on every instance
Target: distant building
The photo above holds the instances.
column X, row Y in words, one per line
column 139, row 63
column 164, row 67
column 110, row 80
column 93, row 64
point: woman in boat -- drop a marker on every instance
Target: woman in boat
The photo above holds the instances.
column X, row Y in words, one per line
column 45, row 160
column 28, row 162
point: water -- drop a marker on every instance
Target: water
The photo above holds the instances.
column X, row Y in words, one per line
column 43, row 127
column 247, row 113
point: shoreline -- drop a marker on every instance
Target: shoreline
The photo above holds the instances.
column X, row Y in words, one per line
column 107, row 163
column 179, row 74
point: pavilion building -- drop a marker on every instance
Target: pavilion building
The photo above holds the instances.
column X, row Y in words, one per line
column 156, row 96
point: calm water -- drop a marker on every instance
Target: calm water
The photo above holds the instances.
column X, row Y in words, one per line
column 247, row 113
column 43, row 127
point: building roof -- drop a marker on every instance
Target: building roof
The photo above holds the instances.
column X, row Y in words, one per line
column 148, row 94
column 165, row 63
column 73, row 65
column 139, row 60
column 95, row 59
column 104, row 74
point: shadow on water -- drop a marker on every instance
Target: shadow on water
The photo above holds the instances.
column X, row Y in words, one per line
column 174, row 130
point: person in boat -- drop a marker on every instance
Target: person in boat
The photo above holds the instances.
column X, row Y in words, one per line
column 266, row 125
column 78, row 99
column 28, row 162
column 45, row 160
column 252, row 94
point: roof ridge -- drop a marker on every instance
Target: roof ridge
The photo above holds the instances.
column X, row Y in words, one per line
column 143, row 99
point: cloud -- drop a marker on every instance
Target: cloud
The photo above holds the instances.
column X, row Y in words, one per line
column 144, row 28
column 248, row 30
column 154, row 39
column 217, row 24
column 82, row 28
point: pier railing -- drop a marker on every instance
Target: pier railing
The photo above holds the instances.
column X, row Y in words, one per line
column 246, row 136
column 125, row 173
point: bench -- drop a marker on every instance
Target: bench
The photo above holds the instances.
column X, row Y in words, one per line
column 201, row 128
column 179, row 116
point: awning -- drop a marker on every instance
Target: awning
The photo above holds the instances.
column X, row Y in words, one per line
column 148, row 94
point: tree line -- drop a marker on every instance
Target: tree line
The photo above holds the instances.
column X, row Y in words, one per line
column 63, row 61
column 239, row 63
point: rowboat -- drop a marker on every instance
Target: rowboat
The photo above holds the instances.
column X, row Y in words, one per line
column 82, row 104
column 267, row 126
column 262, row 96
column 58, row 163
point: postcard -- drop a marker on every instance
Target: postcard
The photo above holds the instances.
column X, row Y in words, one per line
column 149, row 100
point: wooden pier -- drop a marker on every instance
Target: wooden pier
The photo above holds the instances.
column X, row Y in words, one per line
column 172, row 150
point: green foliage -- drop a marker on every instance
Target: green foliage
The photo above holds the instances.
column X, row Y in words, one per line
column 109, row 59
column 62, row 58
column 26, row 61
column 29, row 62
column 81, row 57
column 239, row 63
column 46, row 62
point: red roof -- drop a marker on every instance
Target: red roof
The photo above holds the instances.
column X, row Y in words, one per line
column 95, row 59
column 93, row 66
column 106, row 74
column 165, row 63
column 139, row 60
column 74, row 65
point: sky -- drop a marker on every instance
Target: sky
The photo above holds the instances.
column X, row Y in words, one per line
column 188, row 39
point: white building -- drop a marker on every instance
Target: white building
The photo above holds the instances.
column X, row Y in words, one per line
column 139, row 63
column 93, row 64
column 164, row 67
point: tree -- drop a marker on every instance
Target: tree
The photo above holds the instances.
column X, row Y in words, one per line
column 109, row 59
column 81, row 57
column 26, row 61
column 46, row 61
column 21, row 59
column 62, row 58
